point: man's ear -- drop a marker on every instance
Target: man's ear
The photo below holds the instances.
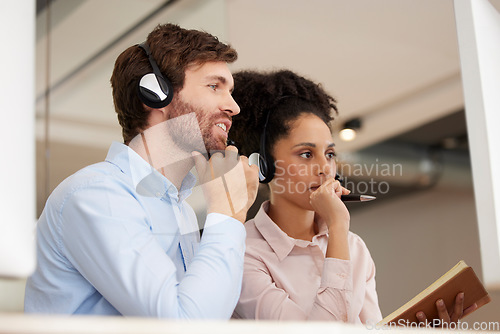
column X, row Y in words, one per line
column 167, row 111
column 158, row 115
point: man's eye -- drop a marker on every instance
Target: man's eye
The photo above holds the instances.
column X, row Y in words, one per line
column 306, row 155
column 214, row 87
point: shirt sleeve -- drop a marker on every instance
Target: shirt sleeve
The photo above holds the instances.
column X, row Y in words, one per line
column 370, row 313
column 262, row 299
column 105, row 235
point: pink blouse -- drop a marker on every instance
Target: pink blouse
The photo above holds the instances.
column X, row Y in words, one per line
column 290, row 279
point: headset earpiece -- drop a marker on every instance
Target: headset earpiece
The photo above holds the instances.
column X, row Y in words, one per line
column 154, row 89
column 266, row 163
column 254, row 159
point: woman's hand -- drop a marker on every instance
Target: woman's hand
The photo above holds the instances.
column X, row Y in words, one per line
column 458, row 312
column 327, row 204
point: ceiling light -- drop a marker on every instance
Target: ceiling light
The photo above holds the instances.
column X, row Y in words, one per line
column 350, row 129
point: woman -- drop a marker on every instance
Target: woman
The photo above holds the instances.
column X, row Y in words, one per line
column 301, row 260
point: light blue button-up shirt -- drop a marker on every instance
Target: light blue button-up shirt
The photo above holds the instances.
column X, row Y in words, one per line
column 118, row 238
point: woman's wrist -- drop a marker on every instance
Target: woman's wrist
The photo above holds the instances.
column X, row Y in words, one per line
column 338, row 228
column 338, row 246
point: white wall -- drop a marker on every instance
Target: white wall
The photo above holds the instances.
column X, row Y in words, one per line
column 478, row 27
column 17, row 169
column 12, row 295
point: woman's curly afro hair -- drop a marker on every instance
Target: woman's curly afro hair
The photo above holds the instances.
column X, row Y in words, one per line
column 285, row 96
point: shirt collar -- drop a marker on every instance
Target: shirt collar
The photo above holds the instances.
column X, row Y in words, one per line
column 279, row 241
column 147, row 180
column 186, row 186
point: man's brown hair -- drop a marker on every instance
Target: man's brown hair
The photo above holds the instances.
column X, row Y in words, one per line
column 173, row 49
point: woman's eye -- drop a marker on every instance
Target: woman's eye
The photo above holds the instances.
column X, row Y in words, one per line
column 306, row 155
column 214, row 87
column 331, row 155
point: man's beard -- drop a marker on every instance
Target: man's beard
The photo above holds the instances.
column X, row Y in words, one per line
column 184, row 136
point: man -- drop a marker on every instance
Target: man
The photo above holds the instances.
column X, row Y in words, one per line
column 117, row 237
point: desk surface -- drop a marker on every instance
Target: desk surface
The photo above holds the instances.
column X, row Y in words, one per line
column 16, row 323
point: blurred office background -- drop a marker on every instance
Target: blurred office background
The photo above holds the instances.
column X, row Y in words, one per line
column 393, row 65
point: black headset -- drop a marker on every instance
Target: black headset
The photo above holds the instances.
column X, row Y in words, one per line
column 266, row 163
column 154, row 89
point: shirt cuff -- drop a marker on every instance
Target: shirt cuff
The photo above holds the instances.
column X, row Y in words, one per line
column 337, row 274
column 218, row 225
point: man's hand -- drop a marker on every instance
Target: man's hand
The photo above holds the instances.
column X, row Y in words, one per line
column 230, row 185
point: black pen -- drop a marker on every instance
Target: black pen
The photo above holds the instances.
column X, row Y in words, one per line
column 357, row 198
